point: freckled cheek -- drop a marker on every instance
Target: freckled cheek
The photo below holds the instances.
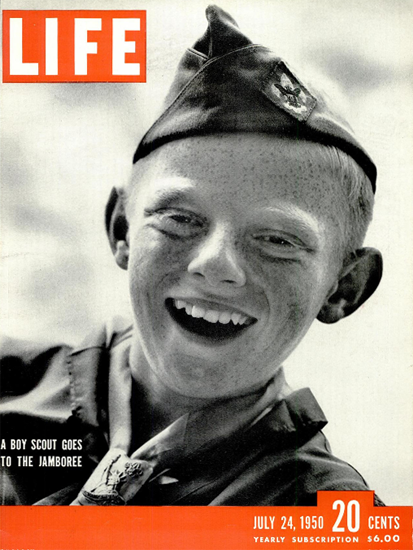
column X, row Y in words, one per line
column 291, row 298
column 156, row 251
column 304, row 307
column 154, row 259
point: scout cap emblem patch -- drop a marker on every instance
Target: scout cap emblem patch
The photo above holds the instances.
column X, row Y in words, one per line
column 288, row 93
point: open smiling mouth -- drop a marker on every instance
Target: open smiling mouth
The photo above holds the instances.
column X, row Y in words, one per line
column 217, row 325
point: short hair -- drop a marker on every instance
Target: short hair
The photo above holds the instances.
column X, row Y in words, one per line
column 359, row 196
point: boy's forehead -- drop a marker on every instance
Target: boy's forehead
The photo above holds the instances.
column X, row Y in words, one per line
column 250, row 156
column 256, row 168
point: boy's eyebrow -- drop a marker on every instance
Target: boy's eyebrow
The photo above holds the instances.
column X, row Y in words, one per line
column 294, row 214
column 296, row 218
column 176, row 194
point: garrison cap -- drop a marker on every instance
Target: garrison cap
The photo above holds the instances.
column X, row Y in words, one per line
column 227, row 84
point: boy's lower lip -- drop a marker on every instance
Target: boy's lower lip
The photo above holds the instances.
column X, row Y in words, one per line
column 209, row 332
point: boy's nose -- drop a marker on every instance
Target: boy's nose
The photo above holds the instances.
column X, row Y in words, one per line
column 218, row 261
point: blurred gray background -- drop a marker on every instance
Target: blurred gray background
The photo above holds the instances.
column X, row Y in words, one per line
column 63, row 146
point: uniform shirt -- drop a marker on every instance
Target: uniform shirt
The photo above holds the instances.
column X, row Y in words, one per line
column 242, row 451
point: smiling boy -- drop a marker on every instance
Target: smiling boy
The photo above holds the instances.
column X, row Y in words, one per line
column 207, row 241
column 242, row 223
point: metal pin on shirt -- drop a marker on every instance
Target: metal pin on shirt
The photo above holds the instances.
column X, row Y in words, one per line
column 115, row 481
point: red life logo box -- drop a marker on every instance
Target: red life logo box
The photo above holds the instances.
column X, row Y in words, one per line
column 74, row 46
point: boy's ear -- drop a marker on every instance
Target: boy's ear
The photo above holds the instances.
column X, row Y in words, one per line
column 357, row 281
column 117, row 228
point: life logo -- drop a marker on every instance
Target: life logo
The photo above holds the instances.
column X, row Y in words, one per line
column 74, row 46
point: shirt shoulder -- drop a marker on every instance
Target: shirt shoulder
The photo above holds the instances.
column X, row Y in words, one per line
column 24, row 364
column 291, row 460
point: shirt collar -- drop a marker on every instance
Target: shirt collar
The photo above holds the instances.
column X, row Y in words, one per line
column 101, row 389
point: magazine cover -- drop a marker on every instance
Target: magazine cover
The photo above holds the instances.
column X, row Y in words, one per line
column 206, row 255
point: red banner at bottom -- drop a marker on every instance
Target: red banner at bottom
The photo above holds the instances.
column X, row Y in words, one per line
column 342, row 519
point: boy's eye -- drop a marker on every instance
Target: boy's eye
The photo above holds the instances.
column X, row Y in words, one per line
column 175, row 222
column 279, row 244
column 181, row 218
column 272, row 239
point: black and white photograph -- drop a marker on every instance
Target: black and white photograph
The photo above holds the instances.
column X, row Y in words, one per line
column 206, row 278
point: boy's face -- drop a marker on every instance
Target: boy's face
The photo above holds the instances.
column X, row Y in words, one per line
column 242, row 228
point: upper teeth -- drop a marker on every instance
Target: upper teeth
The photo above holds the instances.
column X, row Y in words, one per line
column 211, row 315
